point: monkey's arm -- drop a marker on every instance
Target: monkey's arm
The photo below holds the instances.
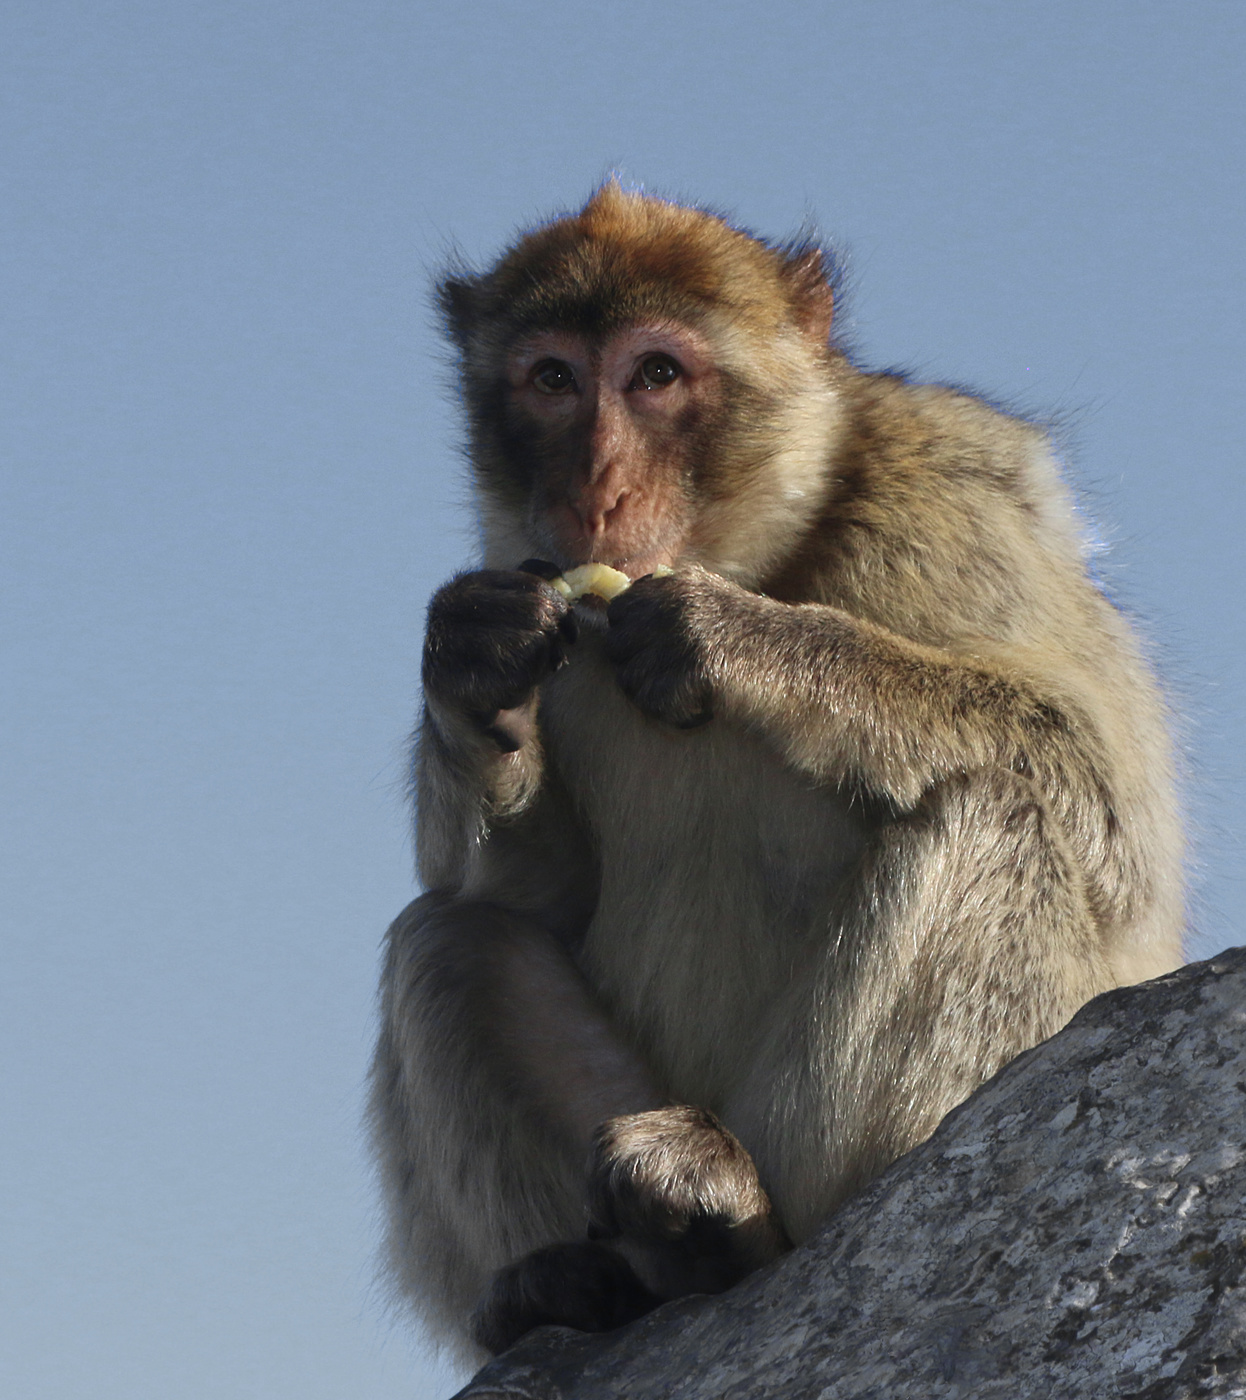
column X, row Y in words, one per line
column 493, row 636
column 464, row 784
column 846, row 700
column 501, row 847
column 980, row 917
column 495, row 1063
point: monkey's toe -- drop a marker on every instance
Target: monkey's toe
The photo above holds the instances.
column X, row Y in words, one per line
column 585, row 1286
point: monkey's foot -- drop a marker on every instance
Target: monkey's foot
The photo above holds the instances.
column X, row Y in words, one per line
column 682, row 1195
column 585, row 1286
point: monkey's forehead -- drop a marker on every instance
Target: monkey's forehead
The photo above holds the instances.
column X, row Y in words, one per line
column 626, row 258
column 597, row 308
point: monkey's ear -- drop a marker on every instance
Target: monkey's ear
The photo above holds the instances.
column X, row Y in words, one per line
column 459, row 300
column 810, row 291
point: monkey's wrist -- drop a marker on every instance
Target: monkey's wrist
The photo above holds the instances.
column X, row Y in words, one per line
column 462, row 760
column 474, row 737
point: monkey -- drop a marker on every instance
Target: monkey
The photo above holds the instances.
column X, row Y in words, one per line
column 735, row 886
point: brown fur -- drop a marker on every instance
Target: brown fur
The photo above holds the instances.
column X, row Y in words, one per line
column 931, row 815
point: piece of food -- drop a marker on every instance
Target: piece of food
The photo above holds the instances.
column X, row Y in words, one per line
column 600, row 579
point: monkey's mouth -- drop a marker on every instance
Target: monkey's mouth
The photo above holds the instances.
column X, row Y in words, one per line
column 640, row 565
column 634, row 566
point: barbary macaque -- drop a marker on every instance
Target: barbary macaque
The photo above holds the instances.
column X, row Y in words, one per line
column 737, row 884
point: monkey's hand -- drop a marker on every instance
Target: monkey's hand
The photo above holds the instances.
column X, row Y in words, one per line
column 664, row 634
column 681, row 1196
column 493, row 636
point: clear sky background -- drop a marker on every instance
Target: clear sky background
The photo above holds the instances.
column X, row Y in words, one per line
column 228, row 483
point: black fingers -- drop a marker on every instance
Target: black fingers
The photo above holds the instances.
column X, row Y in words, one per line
column 542, row 568
column 493, row 636
column 657, row 654
column 585, row 1286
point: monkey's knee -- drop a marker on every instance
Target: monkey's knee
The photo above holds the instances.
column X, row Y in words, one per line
column 994, row 830
column 445, row 946
column 986, row 799
column 443, row 993
column 586, row 1286
column 438, row 917
column 1001, row 893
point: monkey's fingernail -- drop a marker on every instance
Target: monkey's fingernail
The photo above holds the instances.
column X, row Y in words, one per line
column 542, row 568
column 508, row 743
column 696, row 721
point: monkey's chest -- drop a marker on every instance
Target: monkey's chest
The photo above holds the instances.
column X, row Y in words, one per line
column 719, row 869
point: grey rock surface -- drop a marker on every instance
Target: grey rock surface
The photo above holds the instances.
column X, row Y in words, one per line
column 1076, row 1229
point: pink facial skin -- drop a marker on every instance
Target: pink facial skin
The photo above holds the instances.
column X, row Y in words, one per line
column 616, row 410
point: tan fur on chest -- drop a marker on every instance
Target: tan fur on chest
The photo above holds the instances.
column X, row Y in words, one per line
column 718, row 868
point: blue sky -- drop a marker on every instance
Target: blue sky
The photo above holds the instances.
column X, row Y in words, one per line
column 228, row 483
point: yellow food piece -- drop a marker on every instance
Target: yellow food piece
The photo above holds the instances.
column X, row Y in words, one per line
column 600, row 579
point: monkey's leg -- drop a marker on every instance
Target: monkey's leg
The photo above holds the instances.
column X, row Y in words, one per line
column 493, row 1068
column 966, row 938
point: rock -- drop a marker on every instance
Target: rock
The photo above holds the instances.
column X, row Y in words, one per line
column 1077, row 1228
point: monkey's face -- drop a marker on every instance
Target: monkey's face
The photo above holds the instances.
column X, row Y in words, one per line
column 645, row 385
column 608, row 438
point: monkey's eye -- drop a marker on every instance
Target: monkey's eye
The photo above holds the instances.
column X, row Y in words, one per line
column 655, row 372
column 554, row 377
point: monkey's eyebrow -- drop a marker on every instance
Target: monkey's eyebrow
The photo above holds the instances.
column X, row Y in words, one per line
column 550, row 341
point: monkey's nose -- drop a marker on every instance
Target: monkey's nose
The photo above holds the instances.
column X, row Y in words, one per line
column 593, row 510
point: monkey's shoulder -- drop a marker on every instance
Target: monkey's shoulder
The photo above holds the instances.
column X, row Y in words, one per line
column 940, row 444
column 944, row 517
